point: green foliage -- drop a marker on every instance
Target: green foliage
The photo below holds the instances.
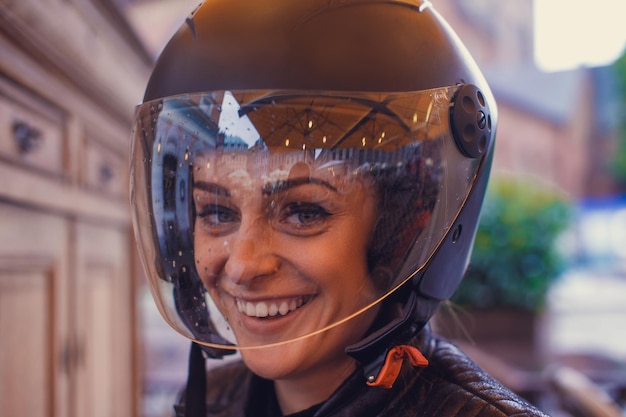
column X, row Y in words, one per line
column 515, row 259
column 618, row 162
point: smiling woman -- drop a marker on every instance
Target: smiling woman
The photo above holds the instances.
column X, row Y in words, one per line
column 307, row 178
column 284, row 259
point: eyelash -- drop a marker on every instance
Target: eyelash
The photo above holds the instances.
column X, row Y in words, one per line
column 304, row 209
column 299, row 218
column 212, row 217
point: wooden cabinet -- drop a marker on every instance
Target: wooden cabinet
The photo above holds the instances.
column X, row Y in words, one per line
column 70, row 74
column 36, row 344
column 104, row 321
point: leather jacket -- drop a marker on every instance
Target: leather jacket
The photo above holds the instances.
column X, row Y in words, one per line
column 451, row 385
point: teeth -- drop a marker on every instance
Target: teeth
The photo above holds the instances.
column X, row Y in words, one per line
column 273, row 310
column 250, row 309
column 261, row 310
column 269, row 309
column 283, row 308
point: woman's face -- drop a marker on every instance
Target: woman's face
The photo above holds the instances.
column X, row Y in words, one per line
column 282, row 254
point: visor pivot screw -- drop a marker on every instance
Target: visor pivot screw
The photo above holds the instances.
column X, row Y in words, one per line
column 371, row 378
column 470, row 120
column 481, row 119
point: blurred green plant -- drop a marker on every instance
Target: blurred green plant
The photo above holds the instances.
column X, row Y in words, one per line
column 618, row 160
column 515, row 258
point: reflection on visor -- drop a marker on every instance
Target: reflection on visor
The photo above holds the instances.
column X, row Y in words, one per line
column 266, row 216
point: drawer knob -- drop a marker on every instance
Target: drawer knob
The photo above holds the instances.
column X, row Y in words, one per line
column 27, row 137
column 106, row 173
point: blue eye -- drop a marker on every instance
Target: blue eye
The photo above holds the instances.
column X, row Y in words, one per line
column 218, row 219
column 303, row 217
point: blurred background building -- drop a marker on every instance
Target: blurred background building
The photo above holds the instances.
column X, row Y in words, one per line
column 73, row 305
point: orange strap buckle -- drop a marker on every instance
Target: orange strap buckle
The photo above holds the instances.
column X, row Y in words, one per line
column 393, row 363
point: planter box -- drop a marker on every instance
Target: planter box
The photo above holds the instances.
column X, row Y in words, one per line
column 513, row 335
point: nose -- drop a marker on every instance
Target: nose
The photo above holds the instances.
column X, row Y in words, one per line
column 250, row 255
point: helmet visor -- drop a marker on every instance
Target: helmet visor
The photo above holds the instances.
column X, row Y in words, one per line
column 264, row 217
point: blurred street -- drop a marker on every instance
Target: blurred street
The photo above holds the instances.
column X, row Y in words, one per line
column 587, row 314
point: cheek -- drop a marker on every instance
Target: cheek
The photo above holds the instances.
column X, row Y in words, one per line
column 336, row 263
column 208, row 258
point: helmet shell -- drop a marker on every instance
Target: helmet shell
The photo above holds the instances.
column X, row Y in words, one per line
column 342, row 45
column 347, row 45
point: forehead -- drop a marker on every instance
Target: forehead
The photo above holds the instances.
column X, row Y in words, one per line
column 265, row 168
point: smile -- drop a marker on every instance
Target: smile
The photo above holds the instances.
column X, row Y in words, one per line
column 263, row 309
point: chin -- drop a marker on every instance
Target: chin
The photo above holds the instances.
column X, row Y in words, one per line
column 273, row 363
column 308, row 358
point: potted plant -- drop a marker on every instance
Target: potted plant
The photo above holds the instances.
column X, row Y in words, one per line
column 514, row 263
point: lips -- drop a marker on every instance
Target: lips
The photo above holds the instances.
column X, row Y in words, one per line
column 273, row 308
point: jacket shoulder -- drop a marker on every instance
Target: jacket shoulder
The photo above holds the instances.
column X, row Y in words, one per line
column 458, row 387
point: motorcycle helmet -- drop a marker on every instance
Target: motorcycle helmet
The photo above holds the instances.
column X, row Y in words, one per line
column 378, row 95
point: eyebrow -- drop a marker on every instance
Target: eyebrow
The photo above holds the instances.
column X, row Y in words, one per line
column 212, row 188
column 268, row 189
column 283, row 185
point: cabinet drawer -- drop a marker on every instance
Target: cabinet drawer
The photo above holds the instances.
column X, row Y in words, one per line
column 105, row 171
column 31, row 131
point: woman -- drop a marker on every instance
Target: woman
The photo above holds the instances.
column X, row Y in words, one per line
column 307, row 178
column 249, row 255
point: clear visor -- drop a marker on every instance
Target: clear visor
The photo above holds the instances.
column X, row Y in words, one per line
column 264, row 217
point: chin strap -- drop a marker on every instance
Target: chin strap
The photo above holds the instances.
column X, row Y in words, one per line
column 195, row 393
column 393, row 364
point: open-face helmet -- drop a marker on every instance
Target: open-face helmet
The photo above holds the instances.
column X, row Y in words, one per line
column 380, row 93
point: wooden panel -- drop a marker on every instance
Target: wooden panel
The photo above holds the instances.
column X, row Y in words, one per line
column 94, row 54
column 32, row 189
column 33, row 131
column 104, row 322
column 36, row 347
column 67, row 320
column 26, row 323
column 105, row 170
column 95, row 391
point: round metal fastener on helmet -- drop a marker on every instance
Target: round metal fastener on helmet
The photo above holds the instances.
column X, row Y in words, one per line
column 470, row 119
